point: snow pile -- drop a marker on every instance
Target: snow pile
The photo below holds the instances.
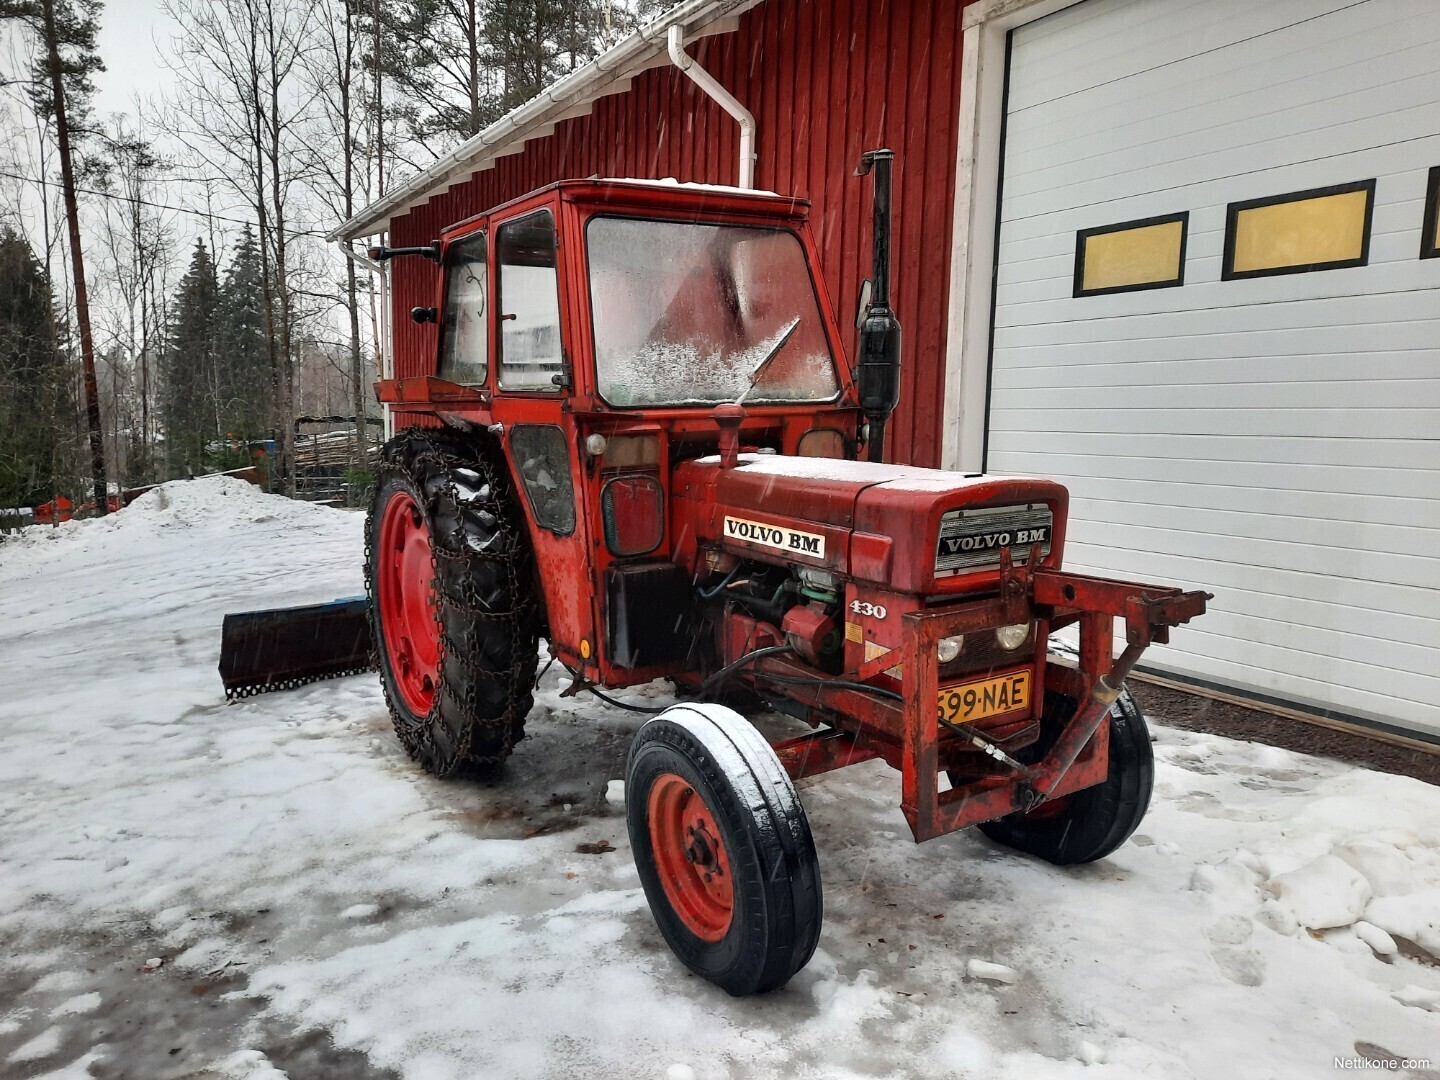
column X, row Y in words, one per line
column 209, row 500
column 1381, row 888
column 1324, row 893
column 1377, row 871
column 320, row 907
column 206, row 502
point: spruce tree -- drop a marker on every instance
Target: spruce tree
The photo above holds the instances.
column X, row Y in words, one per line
column 37, row 411
column 192, row 395
column 243, row 354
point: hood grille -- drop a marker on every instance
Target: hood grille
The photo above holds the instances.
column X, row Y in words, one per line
column 972, row 538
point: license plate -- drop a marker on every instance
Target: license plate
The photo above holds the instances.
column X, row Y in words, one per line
column 975, row 700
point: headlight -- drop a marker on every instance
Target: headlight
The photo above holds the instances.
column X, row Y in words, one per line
column 1012, row 637
column 948, row 648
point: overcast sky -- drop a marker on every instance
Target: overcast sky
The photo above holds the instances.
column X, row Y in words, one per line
column 132, row 35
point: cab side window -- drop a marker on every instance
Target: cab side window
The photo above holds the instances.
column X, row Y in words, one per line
column 530, row 349
column 465, row 327
column 543, row 462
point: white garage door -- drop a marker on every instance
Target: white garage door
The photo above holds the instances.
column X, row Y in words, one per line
column 1269, row 434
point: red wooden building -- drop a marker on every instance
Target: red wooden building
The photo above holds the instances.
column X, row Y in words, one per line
column 1182, row 255
column 825, row 82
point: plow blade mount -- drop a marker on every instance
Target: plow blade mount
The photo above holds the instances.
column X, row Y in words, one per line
column 283, row 648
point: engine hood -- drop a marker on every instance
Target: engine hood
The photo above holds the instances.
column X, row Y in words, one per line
column 870, row 521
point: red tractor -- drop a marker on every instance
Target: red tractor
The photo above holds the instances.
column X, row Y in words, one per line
column 646, row 453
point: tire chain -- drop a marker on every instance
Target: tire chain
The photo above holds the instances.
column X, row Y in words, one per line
column 439, row 471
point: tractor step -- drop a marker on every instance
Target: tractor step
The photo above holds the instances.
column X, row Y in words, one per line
column 283, row 648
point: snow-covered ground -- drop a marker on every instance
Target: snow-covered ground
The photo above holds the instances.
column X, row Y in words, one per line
column 322, row 908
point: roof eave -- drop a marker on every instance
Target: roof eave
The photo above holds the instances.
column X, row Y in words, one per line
column 586, row 83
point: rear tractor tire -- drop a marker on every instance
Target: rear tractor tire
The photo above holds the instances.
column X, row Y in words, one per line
column 1091, row 823
column 723, row 848
column 455, row 623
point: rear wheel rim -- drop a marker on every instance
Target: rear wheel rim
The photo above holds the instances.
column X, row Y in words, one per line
column 690, row 858
column 407, row 602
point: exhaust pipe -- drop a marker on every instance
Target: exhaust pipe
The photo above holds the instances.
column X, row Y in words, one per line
column 878, row 372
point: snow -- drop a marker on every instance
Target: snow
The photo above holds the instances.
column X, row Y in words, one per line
column 324, row 908
column 1324, row 893
column 250, row 1065
column 690, row 185
column 676, row 373
column 81, row 1003
column 997, row 973
column 808, row 468
column 907, row 478
column 42, row 1046
column 1419, row 997
column 1378, row 940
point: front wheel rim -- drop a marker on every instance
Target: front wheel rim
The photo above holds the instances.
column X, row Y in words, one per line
column 406, row 579
column 690, row 858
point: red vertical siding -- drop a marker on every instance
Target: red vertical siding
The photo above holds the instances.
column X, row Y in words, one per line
column 826, row 80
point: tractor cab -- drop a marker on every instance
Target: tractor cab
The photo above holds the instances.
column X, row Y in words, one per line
column 595, row 326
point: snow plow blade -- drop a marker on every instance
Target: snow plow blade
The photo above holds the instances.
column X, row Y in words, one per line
column 284, row 648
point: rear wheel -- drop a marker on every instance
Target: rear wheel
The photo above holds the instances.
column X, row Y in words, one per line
column 1091, row 823
column 723, row 848
column 452, row 609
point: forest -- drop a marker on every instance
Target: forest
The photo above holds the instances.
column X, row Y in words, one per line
column 168, row 306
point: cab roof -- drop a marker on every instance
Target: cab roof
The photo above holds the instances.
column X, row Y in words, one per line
column 662, row 196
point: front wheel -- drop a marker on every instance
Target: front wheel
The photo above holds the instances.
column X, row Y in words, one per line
column 1091, row 823
column 723, row 848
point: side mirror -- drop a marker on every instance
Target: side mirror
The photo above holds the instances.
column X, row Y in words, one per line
column 863, row 304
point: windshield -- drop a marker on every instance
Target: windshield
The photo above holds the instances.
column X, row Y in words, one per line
column 686, row 313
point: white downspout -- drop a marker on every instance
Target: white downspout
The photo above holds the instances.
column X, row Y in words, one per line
column 726, row 100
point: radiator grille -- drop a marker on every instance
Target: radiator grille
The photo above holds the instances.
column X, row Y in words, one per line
column 971, row 538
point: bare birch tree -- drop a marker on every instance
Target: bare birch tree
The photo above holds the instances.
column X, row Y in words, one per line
column 241, row 109
column 139, row 243
column 339, row 160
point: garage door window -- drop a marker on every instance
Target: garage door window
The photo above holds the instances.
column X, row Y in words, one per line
column 1144, row 254
column 1322, row 229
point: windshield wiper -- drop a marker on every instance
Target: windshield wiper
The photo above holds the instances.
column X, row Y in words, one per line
column 759, row 368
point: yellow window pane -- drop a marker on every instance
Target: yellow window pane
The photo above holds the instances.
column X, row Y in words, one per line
column 1147, row 255
column 1303, row 232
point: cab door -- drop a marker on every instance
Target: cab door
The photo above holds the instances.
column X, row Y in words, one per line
column 531, row 378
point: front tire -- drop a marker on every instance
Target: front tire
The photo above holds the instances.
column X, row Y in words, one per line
column 723, row 848
column 1091, row 823
column 451, row 586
